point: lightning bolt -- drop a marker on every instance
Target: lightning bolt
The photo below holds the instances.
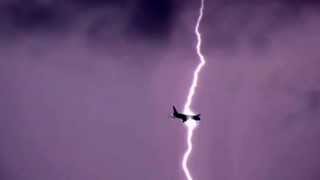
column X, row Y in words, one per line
column 191, row 125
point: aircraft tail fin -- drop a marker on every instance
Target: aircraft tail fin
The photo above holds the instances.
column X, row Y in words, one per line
column 174, row 110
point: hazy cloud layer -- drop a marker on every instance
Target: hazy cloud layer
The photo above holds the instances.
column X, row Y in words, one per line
column 87, row 89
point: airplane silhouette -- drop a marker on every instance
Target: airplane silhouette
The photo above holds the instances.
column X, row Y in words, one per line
column 184, row 117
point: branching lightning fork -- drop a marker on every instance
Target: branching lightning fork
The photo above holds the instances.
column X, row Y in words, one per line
column 191, row 125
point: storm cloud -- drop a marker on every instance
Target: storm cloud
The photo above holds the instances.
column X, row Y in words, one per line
column 87, row 86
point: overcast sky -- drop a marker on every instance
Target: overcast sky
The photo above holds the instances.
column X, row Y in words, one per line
column 87, row 86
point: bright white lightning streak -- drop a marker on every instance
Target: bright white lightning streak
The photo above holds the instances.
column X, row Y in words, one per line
column 191, row 125
column 187, row 108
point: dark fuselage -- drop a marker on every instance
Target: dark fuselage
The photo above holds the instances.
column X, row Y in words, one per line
column 184, row 117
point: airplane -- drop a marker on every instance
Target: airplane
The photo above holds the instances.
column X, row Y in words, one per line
column 184, row 117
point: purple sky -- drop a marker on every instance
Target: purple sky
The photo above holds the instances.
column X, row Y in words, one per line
column 86, row 90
